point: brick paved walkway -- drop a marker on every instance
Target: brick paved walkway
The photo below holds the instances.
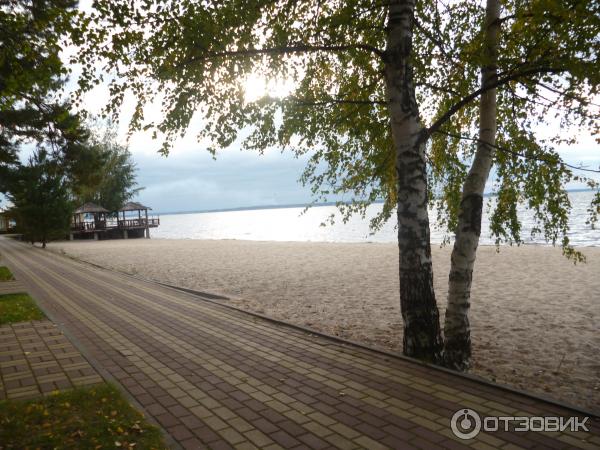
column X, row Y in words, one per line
column 218, row 378
column 11, row 287
column 36, row 358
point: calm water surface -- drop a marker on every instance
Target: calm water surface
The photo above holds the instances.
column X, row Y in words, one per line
column 289, row 224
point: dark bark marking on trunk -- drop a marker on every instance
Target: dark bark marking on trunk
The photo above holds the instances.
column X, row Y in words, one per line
column 471, row 212
column 422, row 337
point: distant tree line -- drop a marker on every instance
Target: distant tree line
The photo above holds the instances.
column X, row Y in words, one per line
column 46, row 189
column 72, row 161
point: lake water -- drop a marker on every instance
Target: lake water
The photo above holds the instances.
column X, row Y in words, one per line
column 289, row 224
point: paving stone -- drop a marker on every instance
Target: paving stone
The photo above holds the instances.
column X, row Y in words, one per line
column 232, row 436
column 180, row 432
column 314, row 442
column 258, row 438
column 345, row 431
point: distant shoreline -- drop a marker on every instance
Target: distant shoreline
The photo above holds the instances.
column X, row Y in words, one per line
column 291, row 205
column 294, row 223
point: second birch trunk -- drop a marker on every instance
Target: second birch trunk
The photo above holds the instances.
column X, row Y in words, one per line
column 457, row 331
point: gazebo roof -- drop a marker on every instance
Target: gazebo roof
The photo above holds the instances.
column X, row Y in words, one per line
column 134, row 206
column 90, row 208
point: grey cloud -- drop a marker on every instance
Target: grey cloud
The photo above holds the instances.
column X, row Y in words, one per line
column 192, row 180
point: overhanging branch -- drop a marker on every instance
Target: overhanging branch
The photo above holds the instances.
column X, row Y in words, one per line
column 514, row 153
column 427, row 132
column 336, row 102
column 569, row 95
column 283, row 50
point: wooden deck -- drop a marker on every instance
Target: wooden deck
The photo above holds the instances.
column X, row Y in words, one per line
column 127, row 224
column 214, row 377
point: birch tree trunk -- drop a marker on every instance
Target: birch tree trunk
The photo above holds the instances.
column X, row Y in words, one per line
column 457, row 331
column 422, row 337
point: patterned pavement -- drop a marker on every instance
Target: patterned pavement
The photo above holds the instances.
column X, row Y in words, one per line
column 217, row 378
column 11, row 287
column 36, row 358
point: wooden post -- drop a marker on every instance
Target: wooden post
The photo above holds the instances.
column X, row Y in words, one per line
column 147, row 226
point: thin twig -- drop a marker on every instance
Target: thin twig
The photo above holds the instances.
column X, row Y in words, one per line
column 514, row 153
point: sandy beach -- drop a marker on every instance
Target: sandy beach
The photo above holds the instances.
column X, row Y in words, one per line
column 535, row 315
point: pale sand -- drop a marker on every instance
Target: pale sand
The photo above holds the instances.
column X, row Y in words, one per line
column 535, row 316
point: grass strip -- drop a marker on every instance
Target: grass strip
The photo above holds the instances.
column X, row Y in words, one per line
column 18, row 308
column 6, row 274
column 96, row 417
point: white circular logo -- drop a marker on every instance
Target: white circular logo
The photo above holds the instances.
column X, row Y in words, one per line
column 465, row 424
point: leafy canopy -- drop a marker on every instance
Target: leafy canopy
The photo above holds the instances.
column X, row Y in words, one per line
column 192, row 57
column 548, row 55
column 32, row 74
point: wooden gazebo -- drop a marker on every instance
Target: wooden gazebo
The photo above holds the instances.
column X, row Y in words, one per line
column 141, row 221
column 82, row 225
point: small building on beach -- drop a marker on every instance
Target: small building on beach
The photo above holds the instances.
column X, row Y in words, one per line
column 89, row 218
column 130, row 222
column 92, row 221
column 7, row 222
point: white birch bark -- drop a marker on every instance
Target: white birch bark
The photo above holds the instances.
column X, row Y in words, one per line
column 457, row 331
column 422, row 336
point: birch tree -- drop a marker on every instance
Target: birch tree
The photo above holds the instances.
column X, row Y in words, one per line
column 364, row 75
column 564, row 50
column 457, row 344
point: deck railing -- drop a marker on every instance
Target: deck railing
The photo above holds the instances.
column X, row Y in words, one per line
column 138, row 223
column 89, row 226
column 116, row 224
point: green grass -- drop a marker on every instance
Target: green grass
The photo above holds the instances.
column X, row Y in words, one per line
column 18, row 308
column 96, row 417
column 5, row 274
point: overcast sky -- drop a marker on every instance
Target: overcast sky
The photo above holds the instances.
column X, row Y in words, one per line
column 189, row 179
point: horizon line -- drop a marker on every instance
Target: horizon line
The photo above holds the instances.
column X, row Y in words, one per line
column 295, row 205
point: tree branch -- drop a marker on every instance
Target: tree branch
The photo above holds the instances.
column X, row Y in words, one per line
column 427, row 132
column 514, row 153
column 337, row 102
column 438, row 43
column 568, row 95
column 298, row 48
column 434, row 87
